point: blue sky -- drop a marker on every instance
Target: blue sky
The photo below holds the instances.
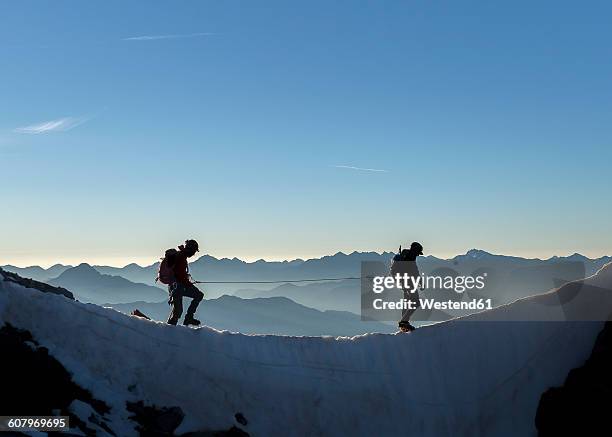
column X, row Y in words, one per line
column 126, row 127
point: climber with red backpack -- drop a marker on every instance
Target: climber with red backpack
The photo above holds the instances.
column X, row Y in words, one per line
column 174, row 272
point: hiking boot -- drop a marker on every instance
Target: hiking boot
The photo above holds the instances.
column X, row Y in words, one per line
column 190, row 320
column 172, row 321
column 406, row 327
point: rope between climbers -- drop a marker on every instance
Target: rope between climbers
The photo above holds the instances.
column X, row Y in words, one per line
column 277, row 282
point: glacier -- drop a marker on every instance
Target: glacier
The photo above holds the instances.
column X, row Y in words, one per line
column 479, row 375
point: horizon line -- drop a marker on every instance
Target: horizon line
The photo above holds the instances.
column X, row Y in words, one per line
column 142, row 263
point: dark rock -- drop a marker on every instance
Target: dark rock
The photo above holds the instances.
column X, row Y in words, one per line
column 36, row 383
column 95, row 419
column 155, row 421
column 241, row 419
column 140, row 314
column 31, row 283
column 582, row 405
column 232, row 432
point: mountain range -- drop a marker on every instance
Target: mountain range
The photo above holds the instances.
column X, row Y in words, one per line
column 340, row 296
column 341, row 264
column 89, row 285
column 38, row 273
column 273, row 315
column 508, row 277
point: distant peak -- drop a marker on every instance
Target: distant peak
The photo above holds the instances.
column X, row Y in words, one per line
column 477, row 253
column 82, row 269
column 83, row 266
column 577, row 255
column 207, row 258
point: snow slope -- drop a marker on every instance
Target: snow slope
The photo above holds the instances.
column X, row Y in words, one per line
column 268, row 315
column 466, row 377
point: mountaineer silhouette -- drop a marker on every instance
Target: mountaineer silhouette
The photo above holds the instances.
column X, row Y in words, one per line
column 404, row 263
column 174, row 272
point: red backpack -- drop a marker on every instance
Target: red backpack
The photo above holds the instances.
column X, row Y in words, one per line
column 165, row 273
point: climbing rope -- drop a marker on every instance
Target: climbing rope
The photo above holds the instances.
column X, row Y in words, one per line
column 278, row 282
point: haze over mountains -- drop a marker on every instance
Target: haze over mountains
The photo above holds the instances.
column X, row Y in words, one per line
column 274, row 315
column 89, row 285
column 219, row 269
column 508, row 277
column 340, row 295
column 209, row 268
column 38, row 273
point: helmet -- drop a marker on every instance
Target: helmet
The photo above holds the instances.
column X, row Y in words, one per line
column 416, row 248
column 192, row 245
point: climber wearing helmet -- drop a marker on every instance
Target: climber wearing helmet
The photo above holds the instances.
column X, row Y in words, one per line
column 404, row 263
column 182, row 285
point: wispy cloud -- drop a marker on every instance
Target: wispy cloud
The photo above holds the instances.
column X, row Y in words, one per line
column 156, row 37
column 59, row 125
column 350, row 167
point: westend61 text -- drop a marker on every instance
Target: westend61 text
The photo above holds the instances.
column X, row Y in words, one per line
column 431, row 304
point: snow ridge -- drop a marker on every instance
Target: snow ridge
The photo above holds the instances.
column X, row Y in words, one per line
column 480, row 375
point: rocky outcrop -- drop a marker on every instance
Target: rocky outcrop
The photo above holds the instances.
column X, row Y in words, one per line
column 156, row 421
column 31, row 283
column 36, row 383
column 582, row 405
